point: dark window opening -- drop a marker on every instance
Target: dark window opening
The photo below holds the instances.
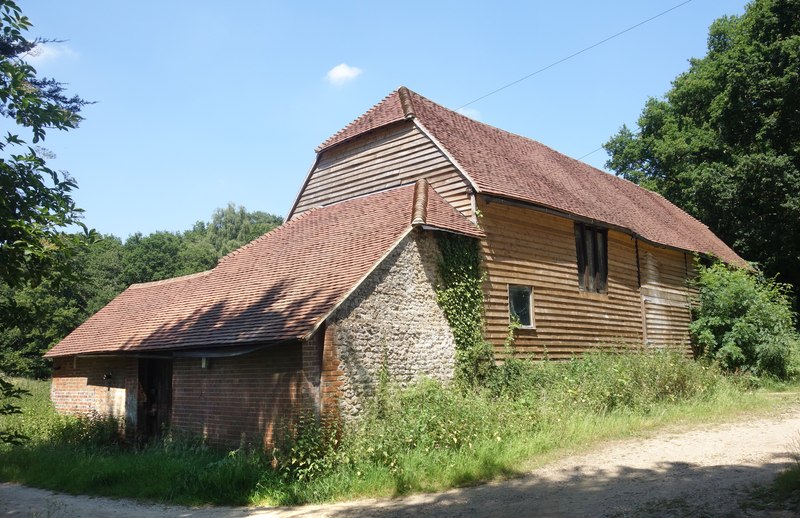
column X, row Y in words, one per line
column 520, row 305
column 591, row 247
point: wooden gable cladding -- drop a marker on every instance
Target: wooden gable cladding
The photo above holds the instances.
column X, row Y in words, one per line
column 391, row 156
column 529, row 247
column 667, row 295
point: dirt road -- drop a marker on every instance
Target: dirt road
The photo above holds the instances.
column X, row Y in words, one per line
column 703, row 471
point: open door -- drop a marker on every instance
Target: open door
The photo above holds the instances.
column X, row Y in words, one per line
column 154, row 404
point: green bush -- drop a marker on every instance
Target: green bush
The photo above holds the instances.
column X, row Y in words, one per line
column 745, row 323
column 600, row 382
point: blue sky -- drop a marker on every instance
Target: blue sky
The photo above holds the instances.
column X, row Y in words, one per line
column 199, row 104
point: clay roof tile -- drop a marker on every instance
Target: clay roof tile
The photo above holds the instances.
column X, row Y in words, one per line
column 274, row 289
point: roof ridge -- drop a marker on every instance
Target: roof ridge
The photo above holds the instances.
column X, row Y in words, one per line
column 333, row 138
column 419, row 206
column 232, row 253
column 171, row 280
column 406, row 102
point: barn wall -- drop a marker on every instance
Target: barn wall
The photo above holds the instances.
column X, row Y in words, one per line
column 96, row 386
column 243, row 399
column 386, row 158
column 528, row 247
column 666, row 295
column 392, row 320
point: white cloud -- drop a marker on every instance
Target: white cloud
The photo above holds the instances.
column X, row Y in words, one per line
column 470, row 112
column 341, row 74
column 52, row 51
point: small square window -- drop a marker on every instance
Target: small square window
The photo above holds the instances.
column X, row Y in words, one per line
column 520, row 305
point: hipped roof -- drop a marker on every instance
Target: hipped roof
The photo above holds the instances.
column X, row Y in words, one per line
column 506, row 165
column 277, row 288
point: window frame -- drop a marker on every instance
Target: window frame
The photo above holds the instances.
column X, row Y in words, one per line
column 591, row 252
column 512, row 313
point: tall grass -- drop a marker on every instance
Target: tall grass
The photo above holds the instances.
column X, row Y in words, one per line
column 422, row 438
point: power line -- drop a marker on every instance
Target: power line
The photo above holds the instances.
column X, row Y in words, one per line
column 590, row 153
column 551, row 65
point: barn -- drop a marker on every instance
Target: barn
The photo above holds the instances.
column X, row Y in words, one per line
column 305, row 317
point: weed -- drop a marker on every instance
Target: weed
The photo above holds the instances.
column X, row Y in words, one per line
column 426, row 437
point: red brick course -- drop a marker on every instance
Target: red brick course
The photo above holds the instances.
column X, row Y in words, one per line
column 331, row 377
column 243, row 399
column 79, row 387
column 237, row 400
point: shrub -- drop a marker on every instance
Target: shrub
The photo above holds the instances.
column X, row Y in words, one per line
column 426, row 416
column 745, row 323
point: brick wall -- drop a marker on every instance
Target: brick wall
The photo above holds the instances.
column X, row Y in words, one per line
column 82, row 386
column 331, row 376
column 243, row 398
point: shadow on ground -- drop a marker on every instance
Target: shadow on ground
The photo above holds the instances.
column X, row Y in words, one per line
column 669, row 489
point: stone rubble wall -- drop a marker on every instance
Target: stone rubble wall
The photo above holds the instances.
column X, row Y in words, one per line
column 391, row 319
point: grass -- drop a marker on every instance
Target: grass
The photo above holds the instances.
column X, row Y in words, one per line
column 783, row 493
column 420, row 439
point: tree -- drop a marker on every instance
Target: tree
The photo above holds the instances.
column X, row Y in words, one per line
column 151, row 258
column 724, row 143
column 234, row 226
column 35, row 200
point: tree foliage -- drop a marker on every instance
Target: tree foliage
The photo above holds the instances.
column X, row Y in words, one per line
column 724, row 143
column 35, row 316
column 745, row 322
column 35, row 200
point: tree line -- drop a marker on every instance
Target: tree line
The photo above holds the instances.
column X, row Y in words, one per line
column 36, row 313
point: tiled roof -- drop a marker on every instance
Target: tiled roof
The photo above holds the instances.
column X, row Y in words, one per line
column 507, row 165
column 276, row 288
column 387, row 111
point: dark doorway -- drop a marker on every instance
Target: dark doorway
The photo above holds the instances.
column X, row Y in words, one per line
column 155, row 398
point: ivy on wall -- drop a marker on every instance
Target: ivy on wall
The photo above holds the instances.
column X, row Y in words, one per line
column 460, row 295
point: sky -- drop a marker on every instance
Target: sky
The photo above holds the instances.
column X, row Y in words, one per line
column 198, row 104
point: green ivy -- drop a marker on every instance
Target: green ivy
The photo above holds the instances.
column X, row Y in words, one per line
column 460, row 295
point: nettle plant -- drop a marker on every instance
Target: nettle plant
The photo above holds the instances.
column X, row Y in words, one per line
column 745, row 322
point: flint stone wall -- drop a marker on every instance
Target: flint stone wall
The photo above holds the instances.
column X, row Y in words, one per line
column 393, row 319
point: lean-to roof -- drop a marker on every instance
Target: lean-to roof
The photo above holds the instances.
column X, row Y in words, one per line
column 277, row 288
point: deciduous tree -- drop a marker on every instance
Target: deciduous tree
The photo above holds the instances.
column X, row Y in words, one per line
column 35, row 200
column 724, row 142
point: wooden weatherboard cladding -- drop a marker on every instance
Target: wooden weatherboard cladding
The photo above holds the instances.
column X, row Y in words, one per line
column 527, row 247
column 395, row 155
column 667, row 294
